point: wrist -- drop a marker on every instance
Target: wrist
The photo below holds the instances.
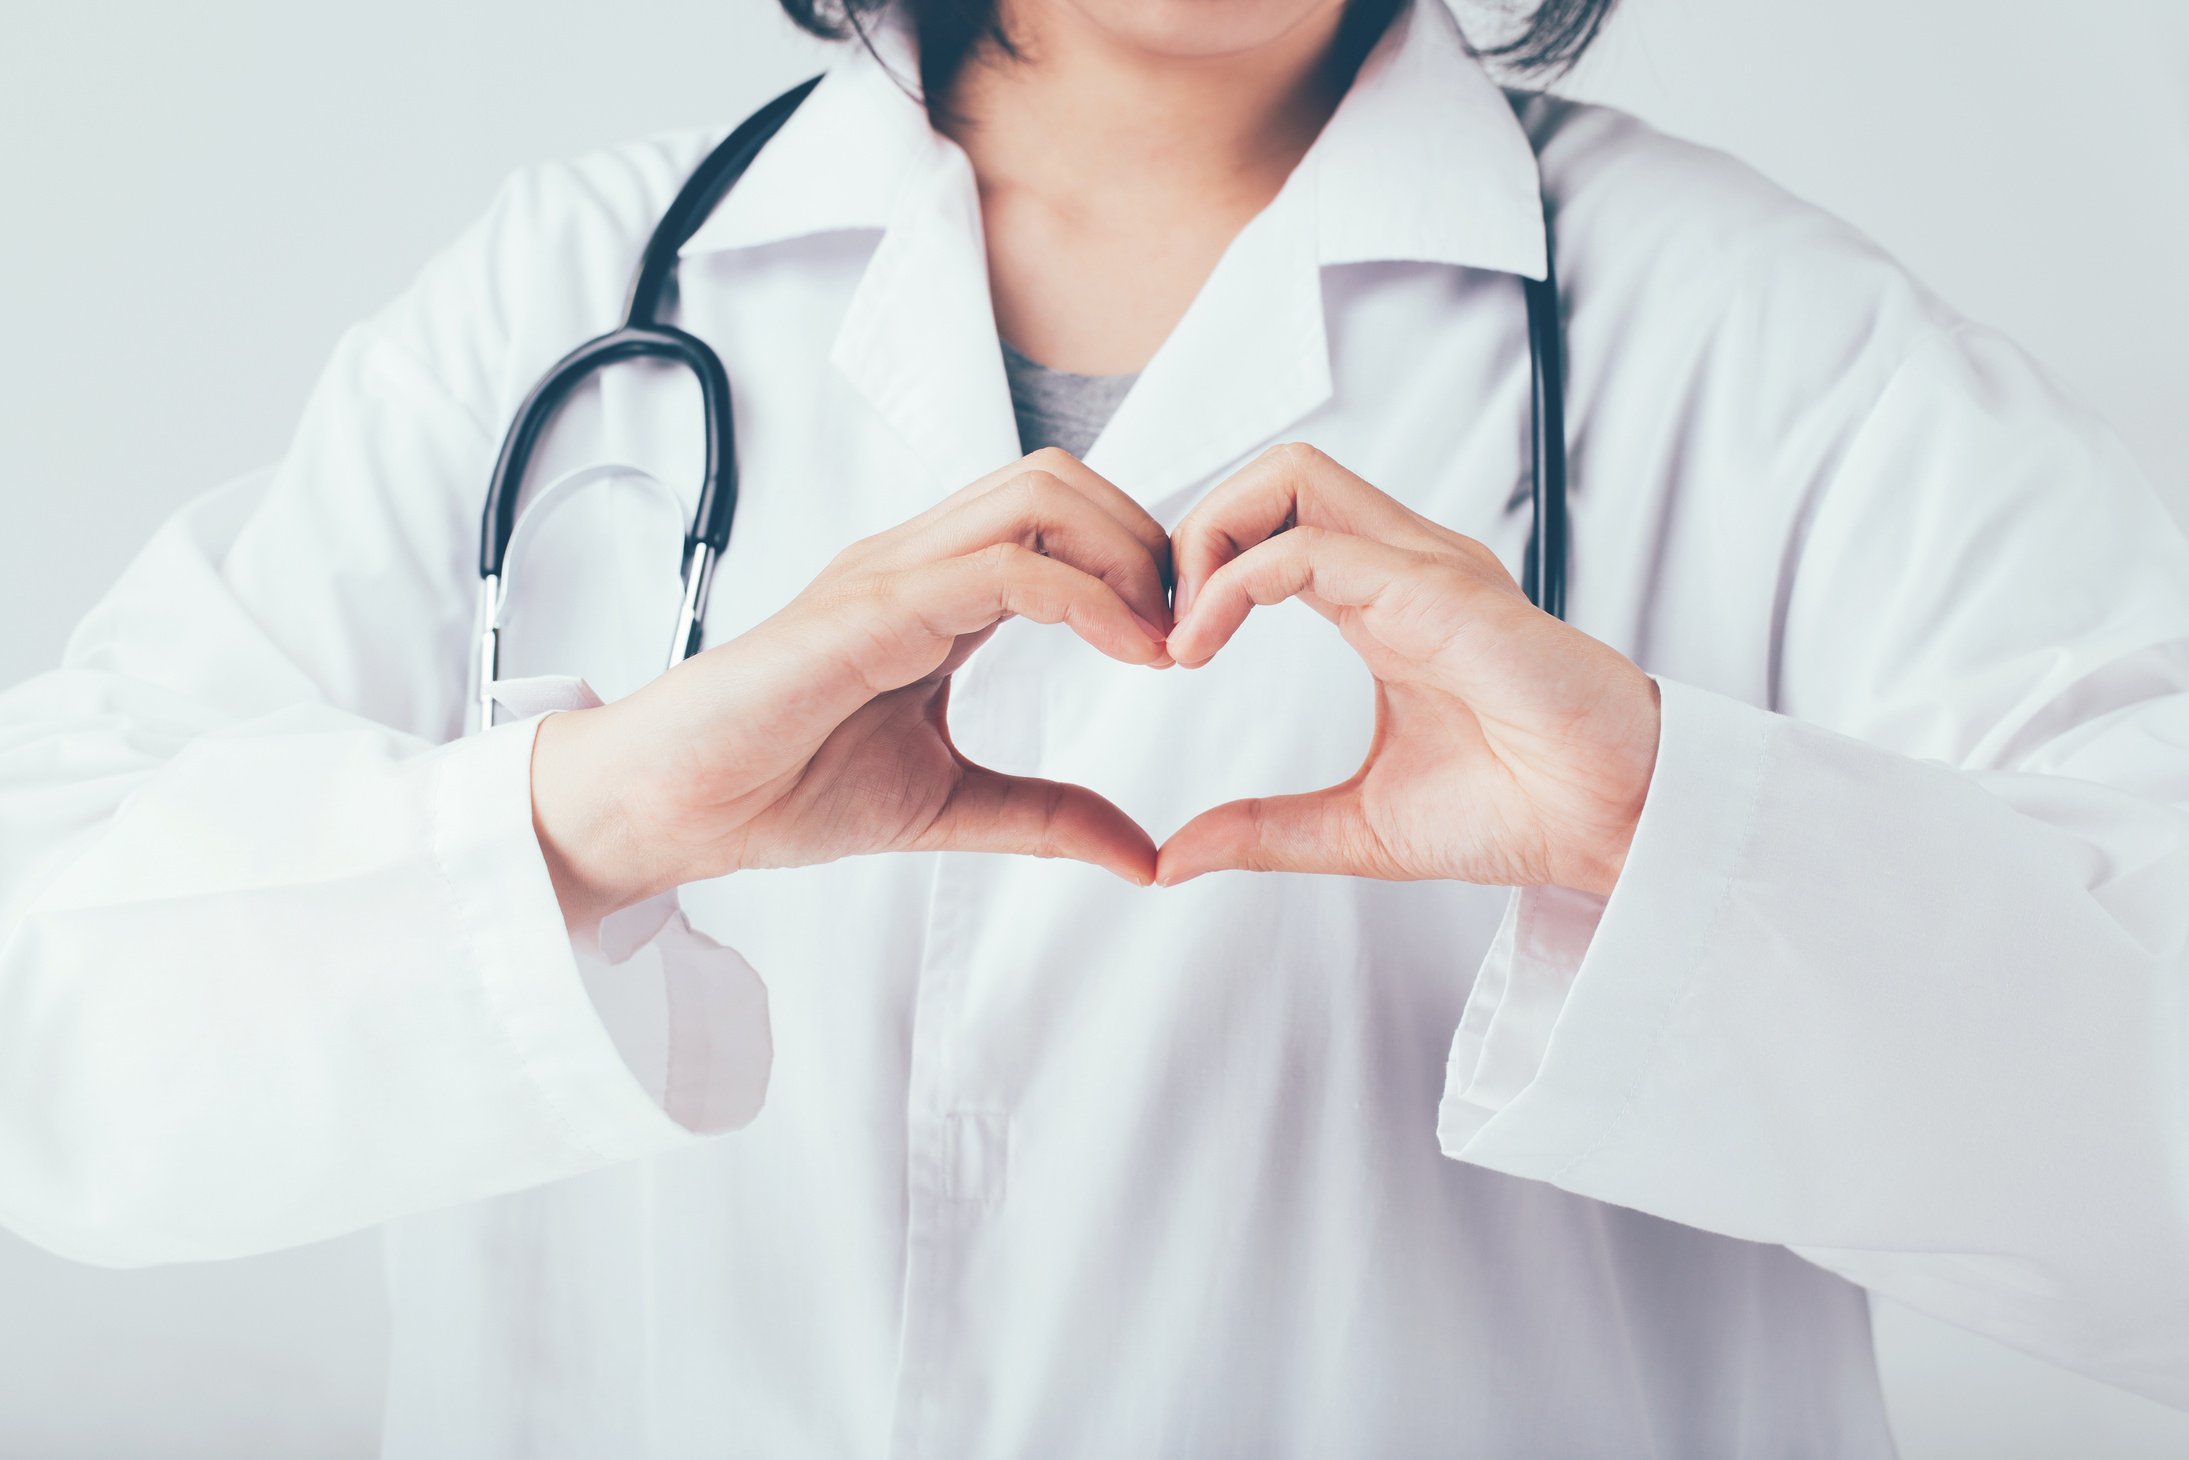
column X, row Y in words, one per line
column 1633, row 755
column 1598, row 872
column 594, row 850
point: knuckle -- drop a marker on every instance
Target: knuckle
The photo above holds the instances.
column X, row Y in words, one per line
column 850, row 556
column 887, row 591
column 845, row 587
column 1052, row 821
column 858, row 605
column 1050, row 461
column 1038, row 485
column 1002, row 558
column 1031, row 494
column 1487, row 565
column 1150, row 534
column 1474, row 551
column 1204, row 522
column 1260, row 835
column 1296, row 457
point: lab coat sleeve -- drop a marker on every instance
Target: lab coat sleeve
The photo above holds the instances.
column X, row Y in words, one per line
column 1899, row 977
column 276, row 962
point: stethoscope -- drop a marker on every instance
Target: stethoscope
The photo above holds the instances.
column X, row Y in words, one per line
column 642, row 335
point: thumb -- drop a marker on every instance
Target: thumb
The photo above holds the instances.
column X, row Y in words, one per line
column 1321, row 831
column 993, row 812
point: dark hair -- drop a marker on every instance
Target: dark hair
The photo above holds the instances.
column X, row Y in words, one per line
column 1553, row 37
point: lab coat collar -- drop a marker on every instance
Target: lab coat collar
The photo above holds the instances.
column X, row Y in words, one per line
column 1422, row 161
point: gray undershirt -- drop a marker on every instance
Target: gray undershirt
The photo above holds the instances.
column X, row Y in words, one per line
column 1058, row 408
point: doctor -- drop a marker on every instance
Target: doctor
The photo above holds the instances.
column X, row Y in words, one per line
column 1810, row 916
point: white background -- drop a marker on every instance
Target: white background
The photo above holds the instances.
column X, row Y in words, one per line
column 199, row 197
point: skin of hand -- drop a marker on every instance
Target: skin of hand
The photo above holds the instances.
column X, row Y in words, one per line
column 822, row 733
column 1510, row 748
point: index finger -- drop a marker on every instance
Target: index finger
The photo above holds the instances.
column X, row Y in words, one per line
column 1072, row 472
column 1107, row 495
column 1040, row 510
column 1289, row 485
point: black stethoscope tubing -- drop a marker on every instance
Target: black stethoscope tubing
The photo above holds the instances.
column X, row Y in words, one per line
column 642, row 335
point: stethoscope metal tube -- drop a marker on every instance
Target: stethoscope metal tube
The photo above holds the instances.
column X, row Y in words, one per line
column 490, row 647
column 643, row 336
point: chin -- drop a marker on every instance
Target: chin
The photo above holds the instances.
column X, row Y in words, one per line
column 1189, row 30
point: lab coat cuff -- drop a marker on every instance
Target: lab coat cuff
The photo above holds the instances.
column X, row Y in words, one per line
column 517, row 947
column 1568, row 1008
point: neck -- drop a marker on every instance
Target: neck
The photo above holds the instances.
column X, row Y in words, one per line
column 1113, row 174
column 1085, row 117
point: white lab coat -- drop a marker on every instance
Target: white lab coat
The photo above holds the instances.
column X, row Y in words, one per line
column 1891, row 994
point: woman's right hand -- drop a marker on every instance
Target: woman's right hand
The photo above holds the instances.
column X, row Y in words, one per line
column 821, row 733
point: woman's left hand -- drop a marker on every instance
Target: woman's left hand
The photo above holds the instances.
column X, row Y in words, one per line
column 1509, row 749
